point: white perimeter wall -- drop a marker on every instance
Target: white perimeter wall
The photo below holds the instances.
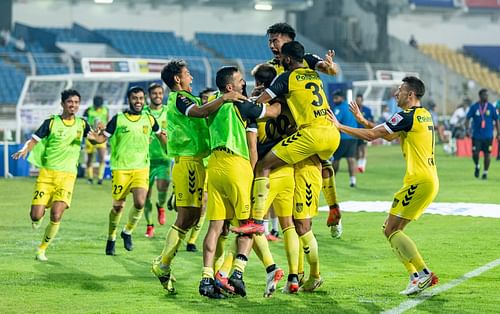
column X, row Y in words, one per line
column 183, row 21
column 456, row 32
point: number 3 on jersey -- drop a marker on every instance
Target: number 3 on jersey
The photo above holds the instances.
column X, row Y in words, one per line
column 315, row 90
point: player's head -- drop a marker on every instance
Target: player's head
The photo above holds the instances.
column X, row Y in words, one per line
column 483, row 95
column 70, row 101
column 205, row 94
column 135, row 97
column 264, row 74
column 279, row 34
column 229, row 79
column 98, row 101
column 292, row 54
column 155, row 93
column 410, row 91
column 176, row 75
column 338, row 96
column 359, row 99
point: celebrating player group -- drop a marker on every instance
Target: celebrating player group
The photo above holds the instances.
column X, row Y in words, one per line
column 235, row 158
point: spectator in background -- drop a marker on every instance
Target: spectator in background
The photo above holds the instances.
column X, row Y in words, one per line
column 431, row 107
column 497, row 106
column 413, row 42
column 348, row 143
column 484, row 117
column 457, row 121
column 361, row 149
column 385, row 114
column 392, row 104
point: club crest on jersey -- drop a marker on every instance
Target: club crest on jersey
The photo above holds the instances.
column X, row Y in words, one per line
column 395, row 119
column 299, row 207
column 145, row 129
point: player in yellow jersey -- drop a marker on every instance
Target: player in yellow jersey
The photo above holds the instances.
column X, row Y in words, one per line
column 316, row 138
column 279, row 34
column 415, row 129
column 55, row 148
column 96, row 115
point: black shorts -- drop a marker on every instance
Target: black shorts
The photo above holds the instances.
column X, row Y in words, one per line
column 347, row 149
column 362, row 142
column 482, row 145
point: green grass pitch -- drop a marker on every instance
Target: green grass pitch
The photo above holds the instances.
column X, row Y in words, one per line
column 360, row 271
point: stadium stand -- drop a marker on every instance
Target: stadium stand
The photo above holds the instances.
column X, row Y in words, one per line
column 488, row 55
column 463, row 65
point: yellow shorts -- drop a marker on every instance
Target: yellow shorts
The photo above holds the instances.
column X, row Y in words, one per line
column 411, row 200
column 188, row 176
column 52, row 186
column 230, row 180
column 124, row 180
column 319, row 140
column 308, row 183
column 282, row 185
column 91, row 148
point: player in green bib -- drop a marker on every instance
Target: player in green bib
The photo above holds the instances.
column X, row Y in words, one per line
column 159, row 168
column 96, row 115
column 55, row 150
column 129, row 134
column 188, row 144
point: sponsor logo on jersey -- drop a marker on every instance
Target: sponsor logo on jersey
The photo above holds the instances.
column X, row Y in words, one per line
column 395, row 119
column 424, row 119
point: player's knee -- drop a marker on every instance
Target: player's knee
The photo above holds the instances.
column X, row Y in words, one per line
column 117, row 208
column 139, row 203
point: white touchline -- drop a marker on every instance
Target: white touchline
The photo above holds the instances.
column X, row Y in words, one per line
column 426, row 295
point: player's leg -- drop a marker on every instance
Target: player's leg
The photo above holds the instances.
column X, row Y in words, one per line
column 195, row 231
column 90, row 159
column 162, row 183
column 135, row 214
column 476, row 148
column 120, row 187
column 409, row 203
column 101, row 151
column 148, row 206
column 330, row 193
column 42, row 196
column 52, row 229
column 486, row 148
column 306, row 198
column 207, row 285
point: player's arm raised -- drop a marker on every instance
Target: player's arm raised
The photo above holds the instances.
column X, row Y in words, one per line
column 328, row 66
column 353, row 107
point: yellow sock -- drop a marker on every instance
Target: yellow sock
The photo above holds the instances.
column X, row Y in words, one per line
column 100, row 173
column 406, row 249
column 311, row 251
column 134, row 216
column 261, row 248
column 219, row 252
column 49, row 235
column 207, row 272
column 172, row 243
column 90, row 172
column 292, row 249
column 260, row 193
column 195, row 231
column 300, row 264
column 225, row 268
column 114, row 220
column 240, row 262
column 330, row 191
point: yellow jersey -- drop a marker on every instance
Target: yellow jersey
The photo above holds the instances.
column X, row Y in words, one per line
column 416, row 131
column 305, row 96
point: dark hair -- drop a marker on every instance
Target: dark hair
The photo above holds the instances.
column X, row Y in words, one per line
column 154, row 86
column 338, row 92
column 264, row 74
column 482, row 91
column 224, row 76
column 415, row 85
column 281, row 28
column 170, row 70
column 67, row 93
column 294, row 50
column 134, row 90
column 98, row 100
column 359, row 95
column 206, row 91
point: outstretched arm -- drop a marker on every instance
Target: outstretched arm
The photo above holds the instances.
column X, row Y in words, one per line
column 23, row 152
column 328, row 66
column 209, row 108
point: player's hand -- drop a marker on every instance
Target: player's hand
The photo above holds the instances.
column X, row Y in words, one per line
column 258, row 90
column 100, row 127
column 353, row 107
column 332, row 67
column 233, row 96
column 20, row 154
column 331, row 117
